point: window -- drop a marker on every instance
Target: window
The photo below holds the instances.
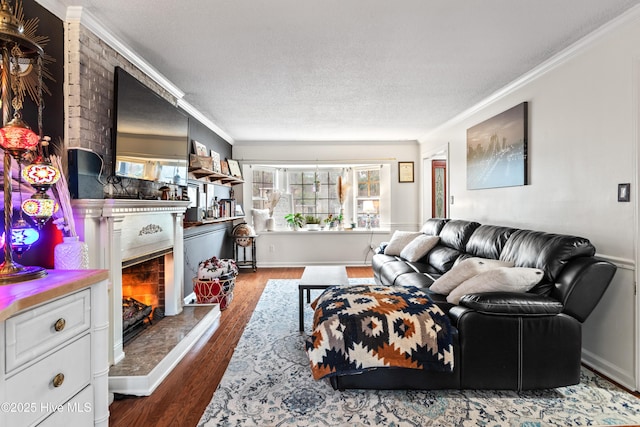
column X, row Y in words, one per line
column 368, row 197
column 312, row 191
column 262, row 186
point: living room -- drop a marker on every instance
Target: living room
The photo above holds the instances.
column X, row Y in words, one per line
column 583, row 114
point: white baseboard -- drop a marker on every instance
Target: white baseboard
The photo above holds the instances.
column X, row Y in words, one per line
column 190, row 299
column 617, row 374
column 304, row 264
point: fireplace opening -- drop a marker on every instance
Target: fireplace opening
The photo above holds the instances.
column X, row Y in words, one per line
column 143, row 296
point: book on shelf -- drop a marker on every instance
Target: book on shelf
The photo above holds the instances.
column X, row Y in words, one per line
column 227, row 208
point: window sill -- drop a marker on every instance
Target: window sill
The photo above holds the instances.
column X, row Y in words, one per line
column 324, row 232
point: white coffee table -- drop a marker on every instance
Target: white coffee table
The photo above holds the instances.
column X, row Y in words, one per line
column 319, row 277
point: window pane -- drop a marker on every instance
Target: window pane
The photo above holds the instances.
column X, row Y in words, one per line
column 374, row 190
column 363, row 190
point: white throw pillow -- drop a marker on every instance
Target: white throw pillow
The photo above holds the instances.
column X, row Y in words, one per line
column 419, row 247
column 514, row 279
column 399, row 240
column 260, row 217
column 465, row 270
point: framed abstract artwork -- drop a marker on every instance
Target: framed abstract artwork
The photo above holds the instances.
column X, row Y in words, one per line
column 497, row 150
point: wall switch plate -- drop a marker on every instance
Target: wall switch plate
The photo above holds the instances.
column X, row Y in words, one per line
column 623, row 192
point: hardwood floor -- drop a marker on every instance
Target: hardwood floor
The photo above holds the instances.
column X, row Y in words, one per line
column 183, row 396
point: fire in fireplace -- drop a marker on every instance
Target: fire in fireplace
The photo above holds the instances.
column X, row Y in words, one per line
column 142, row 295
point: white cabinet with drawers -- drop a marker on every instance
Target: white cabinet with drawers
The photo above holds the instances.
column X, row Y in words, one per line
column 53, row 356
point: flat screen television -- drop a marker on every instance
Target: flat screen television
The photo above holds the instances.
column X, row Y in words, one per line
column 151, row 134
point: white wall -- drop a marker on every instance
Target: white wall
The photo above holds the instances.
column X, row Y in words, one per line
column 282, row 249
column 583, row 119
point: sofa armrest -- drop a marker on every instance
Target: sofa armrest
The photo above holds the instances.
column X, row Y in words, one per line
column 510, row 304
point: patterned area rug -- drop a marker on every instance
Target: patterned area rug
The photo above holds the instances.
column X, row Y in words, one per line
column 269, row 383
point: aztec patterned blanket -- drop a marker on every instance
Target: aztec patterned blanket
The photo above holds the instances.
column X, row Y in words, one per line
column 363, row 327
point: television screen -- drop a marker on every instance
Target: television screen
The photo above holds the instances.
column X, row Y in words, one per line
column 152, row 135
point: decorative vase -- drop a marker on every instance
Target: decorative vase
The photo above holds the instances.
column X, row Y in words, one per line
column 71, row 254
column 271, row 224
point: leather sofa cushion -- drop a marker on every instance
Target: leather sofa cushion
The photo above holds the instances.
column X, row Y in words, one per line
column 424, row 268
column 378, row 259
column 456, row 233
column 509, row 303
column 391, row 271
column 418, row 280
column 433, row 226
column 546, row 251
column 487, row 241
column 442, row 258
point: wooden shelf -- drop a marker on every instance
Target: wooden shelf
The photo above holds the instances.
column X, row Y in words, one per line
column 211, row 221
column 214, row 177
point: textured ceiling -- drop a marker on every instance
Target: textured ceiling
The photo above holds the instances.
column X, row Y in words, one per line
column 344, row 69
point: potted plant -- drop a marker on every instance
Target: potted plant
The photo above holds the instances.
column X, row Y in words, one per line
column 313, row 222
column 295, row 220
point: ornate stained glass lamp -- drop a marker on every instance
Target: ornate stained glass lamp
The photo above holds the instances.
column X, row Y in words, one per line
column 22, row 57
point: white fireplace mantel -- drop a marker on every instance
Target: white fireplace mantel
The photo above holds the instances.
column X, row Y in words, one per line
column 118, row 230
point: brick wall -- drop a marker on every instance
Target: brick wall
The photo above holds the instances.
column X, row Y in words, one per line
column 90, row 65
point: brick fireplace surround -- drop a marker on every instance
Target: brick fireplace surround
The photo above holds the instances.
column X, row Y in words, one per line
column 121, row 231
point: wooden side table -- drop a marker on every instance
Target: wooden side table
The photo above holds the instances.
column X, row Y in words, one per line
column 240, row 245
column 319, row 277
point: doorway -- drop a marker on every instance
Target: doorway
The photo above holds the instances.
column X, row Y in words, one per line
column 435, row 183
column 438, row 188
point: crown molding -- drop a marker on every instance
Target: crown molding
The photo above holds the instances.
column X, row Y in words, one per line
column 547, row 66
column 84, row 17
column 204, row 120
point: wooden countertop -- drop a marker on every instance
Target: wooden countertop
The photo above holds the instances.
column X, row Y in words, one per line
column 18, row 296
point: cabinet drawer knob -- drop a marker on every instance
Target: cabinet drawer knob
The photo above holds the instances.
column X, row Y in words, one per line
column 60, row 324
column 58, row 380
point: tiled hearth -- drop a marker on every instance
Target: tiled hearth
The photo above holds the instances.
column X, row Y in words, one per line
column 120, row 233
column 156, row 349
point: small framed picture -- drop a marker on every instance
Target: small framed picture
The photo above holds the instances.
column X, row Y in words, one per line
column 623, row 192
column 405, row 171
column 234, row 168
column 224, row 167
column 199, row 148
column 216, row 161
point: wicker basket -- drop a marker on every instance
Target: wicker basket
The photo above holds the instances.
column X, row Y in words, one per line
column 216, row 291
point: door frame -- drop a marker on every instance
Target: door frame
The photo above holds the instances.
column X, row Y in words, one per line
column 439, row 153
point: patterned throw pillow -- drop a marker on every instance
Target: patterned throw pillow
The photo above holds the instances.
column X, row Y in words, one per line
column 508, row 279
column 399, row 240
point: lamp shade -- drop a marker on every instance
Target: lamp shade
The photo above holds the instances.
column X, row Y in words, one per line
column 368, row 207
column 40, row 208
column 16, row 135
column 23, row 236
column 41, row 175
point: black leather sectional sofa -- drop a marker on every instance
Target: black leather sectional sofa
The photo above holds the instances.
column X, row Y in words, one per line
column 502, row 340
